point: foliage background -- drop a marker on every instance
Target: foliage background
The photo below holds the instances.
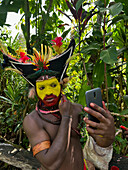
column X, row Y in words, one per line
column 100, row 29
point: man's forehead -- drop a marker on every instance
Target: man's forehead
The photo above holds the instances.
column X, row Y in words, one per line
column 45, row 80
column 45, row 77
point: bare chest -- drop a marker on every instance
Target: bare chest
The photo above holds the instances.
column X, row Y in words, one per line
column 52, row 129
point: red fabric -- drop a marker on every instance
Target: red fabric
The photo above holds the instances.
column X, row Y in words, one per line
column 84, row 167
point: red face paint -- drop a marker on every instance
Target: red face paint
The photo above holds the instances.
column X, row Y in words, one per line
column 50, row 100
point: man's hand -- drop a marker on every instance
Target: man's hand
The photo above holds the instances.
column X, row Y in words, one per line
column 64, row 106
column 103, row 132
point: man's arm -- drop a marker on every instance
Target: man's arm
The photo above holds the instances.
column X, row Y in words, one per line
column 53, row 157
column 104, row 132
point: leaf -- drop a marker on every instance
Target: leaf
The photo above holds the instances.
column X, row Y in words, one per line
column 78, row 4
column 84, row 88
column 115, row 9
column 125, row 5
column 126, row 99
column 73, row 11
column 23, row 27
column 98, row 73
column 65, row 33
column 109, row 56
column 118, row 18
column 124, row 112
column 3, row 18
column 65, row 14
column 6, row 100
column 99, row 3
column 123, row 35
column 122, row 50
column 88, row 49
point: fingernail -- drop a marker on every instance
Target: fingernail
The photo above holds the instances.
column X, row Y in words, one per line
column 86, row 108
column 92, row 104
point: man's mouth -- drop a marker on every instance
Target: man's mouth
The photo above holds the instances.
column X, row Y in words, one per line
column 50, row 98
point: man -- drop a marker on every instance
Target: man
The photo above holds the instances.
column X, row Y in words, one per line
column 52, row 128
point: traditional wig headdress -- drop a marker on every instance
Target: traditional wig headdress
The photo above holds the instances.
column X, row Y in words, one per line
column 40, row 64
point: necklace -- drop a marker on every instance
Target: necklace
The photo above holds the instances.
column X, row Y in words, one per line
column 41, row 112
column 46, row 112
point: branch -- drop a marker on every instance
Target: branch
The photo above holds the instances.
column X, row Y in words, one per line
column 117, row 114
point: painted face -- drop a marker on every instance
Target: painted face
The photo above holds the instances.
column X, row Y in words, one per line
column 48, row 91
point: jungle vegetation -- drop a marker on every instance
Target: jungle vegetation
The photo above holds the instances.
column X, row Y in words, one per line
column 100, row 29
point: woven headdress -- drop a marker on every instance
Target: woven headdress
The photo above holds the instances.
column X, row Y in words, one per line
column 41, row 64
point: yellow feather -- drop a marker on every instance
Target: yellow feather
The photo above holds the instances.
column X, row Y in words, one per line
column 42, row 54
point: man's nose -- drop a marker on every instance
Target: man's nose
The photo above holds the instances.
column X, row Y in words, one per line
column 49, row 90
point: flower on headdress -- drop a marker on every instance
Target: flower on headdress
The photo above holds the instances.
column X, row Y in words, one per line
column 24, row 57
column 58, row 45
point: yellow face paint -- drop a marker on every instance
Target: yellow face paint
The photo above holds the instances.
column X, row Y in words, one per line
column 48, row 87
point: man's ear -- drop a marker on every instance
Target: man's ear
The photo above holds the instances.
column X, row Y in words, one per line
column 32, row 93
column 64, row 81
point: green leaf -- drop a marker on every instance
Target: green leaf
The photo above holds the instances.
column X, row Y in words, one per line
column 6, row 100
column 65, row 33
column 124, row 112
column 23, row 27
column 84, row 88
column 103, row 9
column 99, row 3
column 78, row 4
column 98, row 73
column 109, row 56
column 116, row 9
column 126, row 99
column 88, row 49
column 118, row 18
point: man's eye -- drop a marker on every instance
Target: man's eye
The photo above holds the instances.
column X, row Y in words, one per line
column 41, row 88
column 53, row 85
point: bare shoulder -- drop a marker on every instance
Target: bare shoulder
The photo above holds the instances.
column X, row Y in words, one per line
column 34, row 129
column 29, row 122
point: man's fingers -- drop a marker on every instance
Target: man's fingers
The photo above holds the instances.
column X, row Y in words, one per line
column 93, row 124
column 92, row 131
column 99, row 109
column 96, row 114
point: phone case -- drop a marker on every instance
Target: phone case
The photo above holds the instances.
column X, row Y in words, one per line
column 93, row 96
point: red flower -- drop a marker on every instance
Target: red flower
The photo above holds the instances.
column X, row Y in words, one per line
column 23, row 57
column 123, row 127
column 114, row 168
column 58, row 41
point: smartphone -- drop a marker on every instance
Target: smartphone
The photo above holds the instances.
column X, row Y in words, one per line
column 93, row 96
